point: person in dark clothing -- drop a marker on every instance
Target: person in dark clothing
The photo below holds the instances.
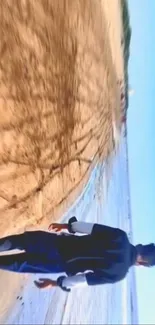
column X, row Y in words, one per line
column 103, row 255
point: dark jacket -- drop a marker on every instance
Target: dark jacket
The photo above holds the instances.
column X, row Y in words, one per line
column 106, row 253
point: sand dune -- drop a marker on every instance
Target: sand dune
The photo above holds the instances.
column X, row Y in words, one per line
column 59, row 104
column 60, row 63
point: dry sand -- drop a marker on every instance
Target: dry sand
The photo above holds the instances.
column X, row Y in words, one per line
column 59, row 102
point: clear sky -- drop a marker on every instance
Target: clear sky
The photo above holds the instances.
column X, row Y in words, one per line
column 141, row 140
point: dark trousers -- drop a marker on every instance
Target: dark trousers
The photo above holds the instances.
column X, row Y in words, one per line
column 41, row 254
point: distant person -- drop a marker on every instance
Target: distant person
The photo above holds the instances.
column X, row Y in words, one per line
column 102, row 256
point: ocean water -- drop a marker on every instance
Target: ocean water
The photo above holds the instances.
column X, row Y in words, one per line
column 107, row 304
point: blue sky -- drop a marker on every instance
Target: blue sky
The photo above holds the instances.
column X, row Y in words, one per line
column 141, row 140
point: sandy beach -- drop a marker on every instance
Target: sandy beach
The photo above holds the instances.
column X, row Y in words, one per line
column 60, row 63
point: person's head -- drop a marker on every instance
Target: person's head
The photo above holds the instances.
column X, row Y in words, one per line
column 145, row 255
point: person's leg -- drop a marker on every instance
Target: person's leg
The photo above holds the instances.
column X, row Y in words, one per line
column 11, row 242
column 30, row 263
column 31, row 242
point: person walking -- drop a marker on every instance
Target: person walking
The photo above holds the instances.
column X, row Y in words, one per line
column 100, row 255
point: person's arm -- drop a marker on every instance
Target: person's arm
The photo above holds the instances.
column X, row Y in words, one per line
column 65, row 283
column 93, row 228
column 79, row 226
column 82, row 227
column 103, row 277
column 73, row 226
column 57, row 227
column 98, row 277
column 45, row 283
column 88, row 279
